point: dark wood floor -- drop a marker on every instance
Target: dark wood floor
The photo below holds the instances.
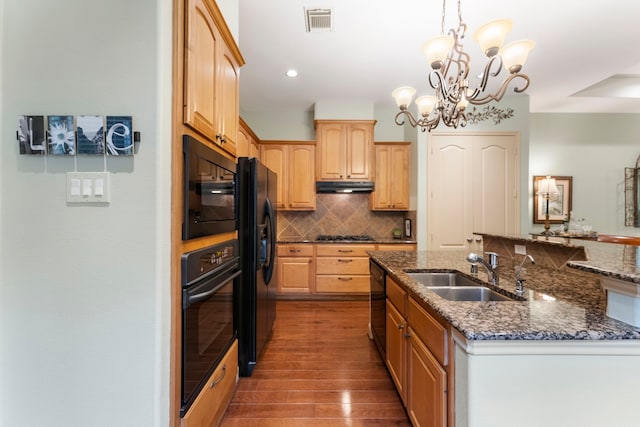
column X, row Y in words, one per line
column 319, row 369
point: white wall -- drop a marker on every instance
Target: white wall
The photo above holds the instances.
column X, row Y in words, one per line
column 84, row 305
column 594, row 149
column 288, row 125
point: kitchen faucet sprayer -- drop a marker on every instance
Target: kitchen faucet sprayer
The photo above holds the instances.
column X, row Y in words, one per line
column 475, row 258
column 519, row 280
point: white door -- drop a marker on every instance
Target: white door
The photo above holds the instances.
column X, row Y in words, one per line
column 473, row 187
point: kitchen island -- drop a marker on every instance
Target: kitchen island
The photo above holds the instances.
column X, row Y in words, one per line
column 551, row 357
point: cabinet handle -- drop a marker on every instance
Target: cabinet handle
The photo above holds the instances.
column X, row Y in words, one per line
column 407, row 335
column 345, row 279
column 469, row 239
column 218, row 136
column 224, row 372
column 345, row 260
column 294, row 250
column 478, row 239
column 345, row 251
column 401, row 326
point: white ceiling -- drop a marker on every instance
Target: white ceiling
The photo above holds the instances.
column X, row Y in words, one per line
column 375, row 47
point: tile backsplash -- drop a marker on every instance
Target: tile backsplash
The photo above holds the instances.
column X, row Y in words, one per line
column 343, row 214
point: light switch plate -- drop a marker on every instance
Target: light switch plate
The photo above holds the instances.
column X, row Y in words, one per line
column 90, row 188
column 520, row 249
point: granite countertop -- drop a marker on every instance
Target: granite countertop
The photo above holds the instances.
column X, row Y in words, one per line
column 557, row 304
column 613, row 260
column 286, row 240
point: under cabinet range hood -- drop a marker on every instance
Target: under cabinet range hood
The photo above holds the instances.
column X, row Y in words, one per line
column 344, row 186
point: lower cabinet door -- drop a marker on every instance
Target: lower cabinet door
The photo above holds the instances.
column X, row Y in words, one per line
column 396, row 349
column 209, row 406
column 427, row 387
column 295, row 275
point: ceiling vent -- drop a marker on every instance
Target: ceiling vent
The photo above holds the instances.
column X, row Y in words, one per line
column 318, row 20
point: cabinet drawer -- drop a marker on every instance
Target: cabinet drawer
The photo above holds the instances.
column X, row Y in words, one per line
column 295, row 250
column 429, row 330
column 209, row 406
column 343, row 265
column 344, row 250
column 397, row 296
column 397, row 247
column 342, row 284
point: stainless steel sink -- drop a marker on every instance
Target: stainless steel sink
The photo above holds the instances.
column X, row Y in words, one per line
column 455, row 287
column 468, row 293
column 442, row 279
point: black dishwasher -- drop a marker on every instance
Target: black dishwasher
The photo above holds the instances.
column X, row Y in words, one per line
column 377, row 307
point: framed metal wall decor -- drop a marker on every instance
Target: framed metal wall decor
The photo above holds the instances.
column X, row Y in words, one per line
column 559, row 203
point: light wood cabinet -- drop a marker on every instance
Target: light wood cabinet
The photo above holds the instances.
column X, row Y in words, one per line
column 344, row 150
column 208, row 408
column 427, row 359
column 417, row 358
column 397, row 247
column 296, row 274
column 392, row 174
column 397, row 345
column 294, row 164
column 248, row 142
column 426, row 386
column 211, row 84
column 342, row 269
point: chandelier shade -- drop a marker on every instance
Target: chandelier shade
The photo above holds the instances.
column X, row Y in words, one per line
column 491, row 36
column 425, row 104
column 436, row 50
column 403, row 96
column 515, row 54
column 449, row 76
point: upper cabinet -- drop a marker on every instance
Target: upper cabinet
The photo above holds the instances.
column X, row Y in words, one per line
column 294, row 164
column 391, row 176
column 344, row 150
column 211, row 80
column 248, row 142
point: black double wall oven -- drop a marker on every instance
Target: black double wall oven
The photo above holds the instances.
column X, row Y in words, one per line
column 210, row 276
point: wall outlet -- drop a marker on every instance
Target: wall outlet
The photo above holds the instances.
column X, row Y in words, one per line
column 520, row 249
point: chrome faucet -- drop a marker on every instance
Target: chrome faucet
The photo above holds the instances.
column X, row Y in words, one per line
column 474, row 258
column 519, row 280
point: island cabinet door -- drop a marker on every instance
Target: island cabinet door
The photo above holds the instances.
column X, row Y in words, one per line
column 426, row 388
column 396, row 349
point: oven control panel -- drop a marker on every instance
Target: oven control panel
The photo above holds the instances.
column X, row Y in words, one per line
column 198, row 263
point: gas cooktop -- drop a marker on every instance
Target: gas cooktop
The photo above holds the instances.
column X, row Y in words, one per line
column 353, row 238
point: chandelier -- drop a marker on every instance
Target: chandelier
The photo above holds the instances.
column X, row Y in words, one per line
column 449, row 76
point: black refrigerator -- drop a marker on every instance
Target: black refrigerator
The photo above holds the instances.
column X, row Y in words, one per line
column 257, row 231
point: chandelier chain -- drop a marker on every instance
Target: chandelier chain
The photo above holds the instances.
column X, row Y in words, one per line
column 444, row 7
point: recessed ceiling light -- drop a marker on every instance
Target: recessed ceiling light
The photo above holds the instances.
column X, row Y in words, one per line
column 292, row 73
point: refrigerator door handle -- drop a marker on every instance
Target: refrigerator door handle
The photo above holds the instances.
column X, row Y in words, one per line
column 271, row 236
column 262, row 246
